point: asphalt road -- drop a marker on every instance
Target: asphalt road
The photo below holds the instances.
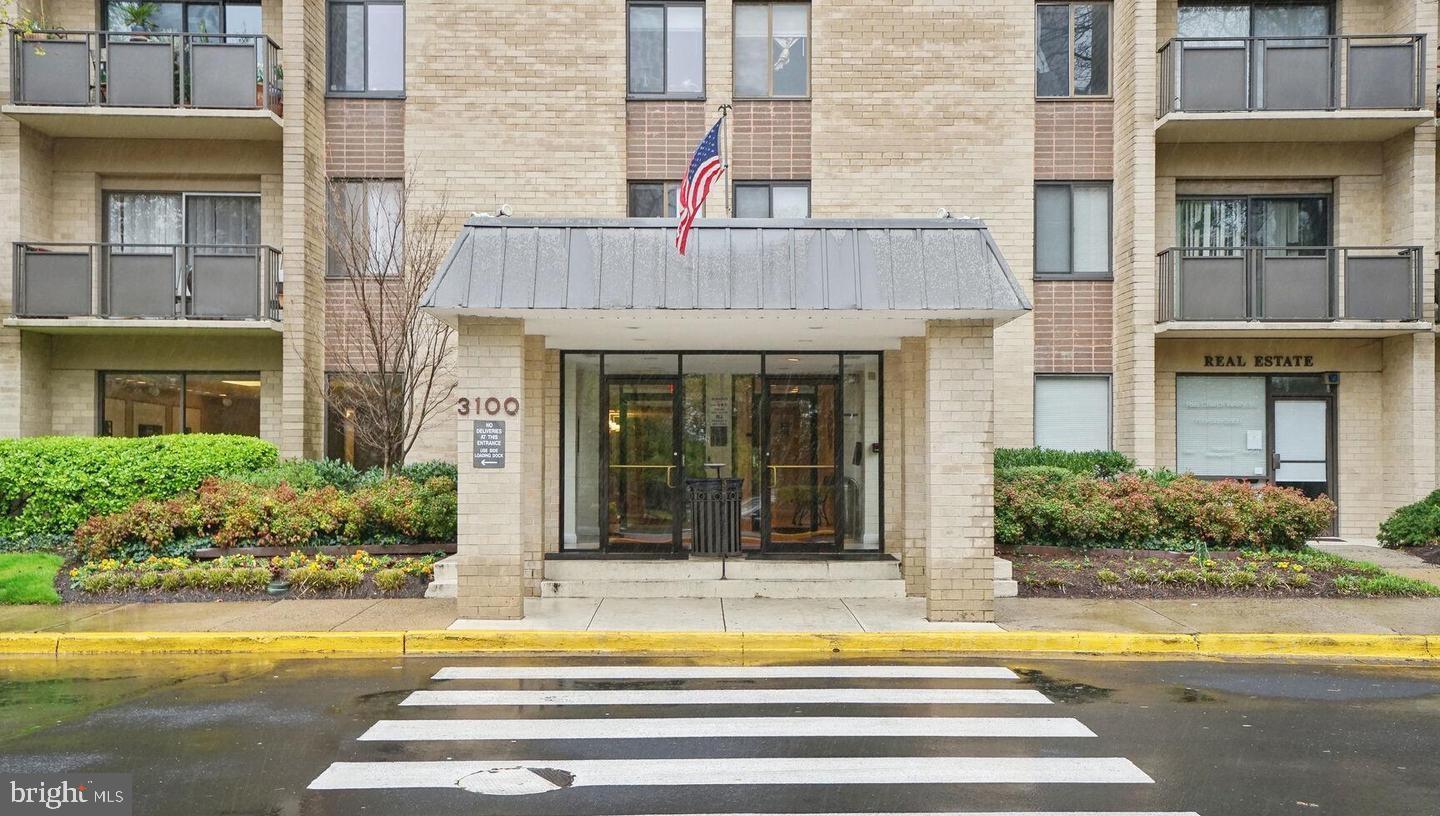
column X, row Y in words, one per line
column 351, row 736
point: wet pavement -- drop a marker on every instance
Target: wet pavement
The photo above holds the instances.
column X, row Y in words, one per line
column 265, row 736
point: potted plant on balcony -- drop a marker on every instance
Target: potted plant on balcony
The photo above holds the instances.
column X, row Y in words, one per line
column 139, row 17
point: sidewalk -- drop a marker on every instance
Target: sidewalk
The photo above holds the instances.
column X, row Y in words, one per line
column 1407, row 616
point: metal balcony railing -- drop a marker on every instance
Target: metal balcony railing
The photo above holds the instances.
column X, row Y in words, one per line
column 1289, row 284
column 146, row 70
column 157, row 281
column 1335, row 72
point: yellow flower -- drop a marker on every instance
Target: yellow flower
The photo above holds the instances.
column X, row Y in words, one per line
column 1283, row 565
column 1299, row 568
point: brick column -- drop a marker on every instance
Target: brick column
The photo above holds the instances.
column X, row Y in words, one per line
column 915, row 507
column 959, row 431
column 491, row 362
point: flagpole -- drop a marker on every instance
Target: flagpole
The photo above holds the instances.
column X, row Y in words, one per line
column 725, row 156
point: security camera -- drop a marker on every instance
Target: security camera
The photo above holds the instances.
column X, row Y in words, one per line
column 942, row 213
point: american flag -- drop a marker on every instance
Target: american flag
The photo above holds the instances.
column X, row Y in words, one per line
column 705, row 167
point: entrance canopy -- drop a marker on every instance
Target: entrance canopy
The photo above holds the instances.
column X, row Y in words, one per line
column 753, row 283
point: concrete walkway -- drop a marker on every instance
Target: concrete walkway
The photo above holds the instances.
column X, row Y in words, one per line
column 1399, row 616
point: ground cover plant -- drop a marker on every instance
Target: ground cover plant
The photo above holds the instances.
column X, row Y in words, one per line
column 29, row 578
column 1305, row 573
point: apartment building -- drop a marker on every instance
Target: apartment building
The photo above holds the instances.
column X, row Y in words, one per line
column 1199, row 233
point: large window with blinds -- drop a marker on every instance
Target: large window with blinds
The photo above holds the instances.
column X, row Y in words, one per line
column 1072, row 229
column 1220, row 426
column 1072, row 412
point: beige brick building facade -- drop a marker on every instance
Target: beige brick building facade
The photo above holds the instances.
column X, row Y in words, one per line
column 905, row 109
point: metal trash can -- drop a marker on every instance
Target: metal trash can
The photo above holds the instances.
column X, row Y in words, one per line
column 714, row 506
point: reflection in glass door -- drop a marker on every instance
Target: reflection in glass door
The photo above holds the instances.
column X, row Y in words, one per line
column 641, row 464
column 802, row 435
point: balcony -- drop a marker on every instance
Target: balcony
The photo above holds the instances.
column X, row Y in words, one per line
column 1289, row 89
column 84, row 287
column 1319, row 291
column 122, row 84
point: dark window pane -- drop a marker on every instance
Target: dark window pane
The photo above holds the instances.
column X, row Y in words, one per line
column 385, row 70
column 646, row 200
column 1052, row 229
column 347, row 47
column 223, row 403
column 1092, row 50
column 647, row 49
column 141, row 405
column 346, row 438
column 1214, row 21
column 203, row 19
column 1052, row 50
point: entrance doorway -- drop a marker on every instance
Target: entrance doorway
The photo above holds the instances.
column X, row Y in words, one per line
column 801, row 432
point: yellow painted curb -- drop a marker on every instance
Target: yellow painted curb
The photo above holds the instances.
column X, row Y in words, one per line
column 23, row 643
column 1400, row 647
column 505, row 641
column 361, row 643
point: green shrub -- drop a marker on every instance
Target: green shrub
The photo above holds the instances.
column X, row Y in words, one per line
column 1414, row 525
column 151, row 580
column 53, row 484
column 1134, row 510
column 1299, row 580
column 1183, row 577
column 1139, row 575
column 1107, row 577
column 419, row 472
column 97, row 583
column 172, row 580
column 390, row 579
column 1241, row 579
column 1089, row 463
column 36, row 542
column 348, row 579
column 302, row 474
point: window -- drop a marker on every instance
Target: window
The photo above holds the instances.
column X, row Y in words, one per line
column 1072, row 412
column 146, row 221
column 1072, row 229
column 778, row 199
column 654, row 199
column 1220, row 425
column 153, row 403
column 366, row 227
column 1259, row 20
column 1072, row 49
column 367, row 47
column 1262, row 221
column 203, row 18
column 667, row 49
column 344, row 440
column 772, row 49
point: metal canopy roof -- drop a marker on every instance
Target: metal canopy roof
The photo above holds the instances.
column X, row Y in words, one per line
column 510, row 265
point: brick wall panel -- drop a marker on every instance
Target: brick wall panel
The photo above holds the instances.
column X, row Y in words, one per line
column 1073, row 326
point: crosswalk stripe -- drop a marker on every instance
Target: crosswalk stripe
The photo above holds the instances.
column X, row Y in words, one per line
column 608, row 697
column 841, row 672
column 688, row 727
column 500, row 777
column 973, row 813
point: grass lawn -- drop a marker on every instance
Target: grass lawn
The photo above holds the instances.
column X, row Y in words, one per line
column 28, row 578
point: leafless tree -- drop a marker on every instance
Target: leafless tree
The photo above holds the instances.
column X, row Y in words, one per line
column 391, row 366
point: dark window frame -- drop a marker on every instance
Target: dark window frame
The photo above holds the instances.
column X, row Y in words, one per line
column 664, row 5
column 184, row 375
column 330, row 185
column 770, row 74
column 1070, row 52
column 770, row 186
column 330, row 90
column 665, row 189
column 1109, row 273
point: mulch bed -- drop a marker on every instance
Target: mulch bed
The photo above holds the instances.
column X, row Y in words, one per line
column 414, row 588
column 1059, row 572
column 1430, row 555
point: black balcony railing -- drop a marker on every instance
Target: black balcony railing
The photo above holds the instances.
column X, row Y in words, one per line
column 1289, row 284
column 156, row 281
column 1349, row 72
column 146, row 70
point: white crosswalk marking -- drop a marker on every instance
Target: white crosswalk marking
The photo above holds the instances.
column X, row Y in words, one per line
column 457, row 755
column 722, row 672
column 817, row 696
column 750, row 771
column 688, row 727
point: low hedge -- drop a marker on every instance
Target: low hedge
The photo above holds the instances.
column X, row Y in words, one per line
column 1049, row 505
column 1414, row 525
column 307, row 474
column 227, row 514
column 1091, row 463
column 50, row 485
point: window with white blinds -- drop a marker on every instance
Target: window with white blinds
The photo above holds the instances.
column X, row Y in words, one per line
column 1220, row 426
column 1072, row 412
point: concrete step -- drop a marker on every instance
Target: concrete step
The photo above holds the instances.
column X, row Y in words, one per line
column 584, row 569
column 729, row 588
column 1006, row 588
column 446, row 581
column 1003, row 570
column 710, row 569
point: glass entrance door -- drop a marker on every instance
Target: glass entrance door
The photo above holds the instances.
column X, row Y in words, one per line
column 802, row 442
column 1301, row 453
column 641, row 464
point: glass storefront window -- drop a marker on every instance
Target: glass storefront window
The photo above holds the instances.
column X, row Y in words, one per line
column 345, row 410
column 860, row 448
column 1220, row 426
column 155, row 403
column 581, row 429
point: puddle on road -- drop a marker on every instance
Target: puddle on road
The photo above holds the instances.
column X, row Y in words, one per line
column 1063, row 691
column 516, row 781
